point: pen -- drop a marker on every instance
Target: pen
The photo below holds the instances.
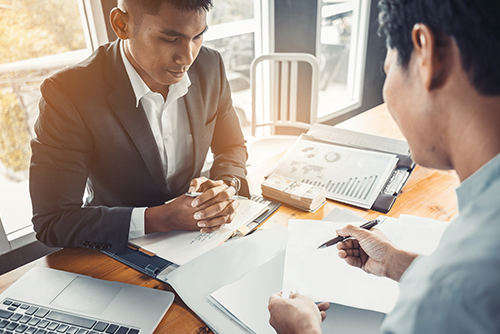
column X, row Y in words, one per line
column 196, row 194
column 366, row 226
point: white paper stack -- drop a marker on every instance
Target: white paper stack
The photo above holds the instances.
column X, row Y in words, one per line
column 323, row 276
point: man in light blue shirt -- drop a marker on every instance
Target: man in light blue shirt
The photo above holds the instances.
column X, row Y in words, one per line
column 443, row 90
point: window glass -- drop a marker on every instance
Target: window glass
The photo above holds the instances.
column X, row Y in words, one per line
column 36, row 39
column 225, row 11
column 341, row 45
column 232, row 28
column 34, row 28
column 335, row 48
column 238, row 53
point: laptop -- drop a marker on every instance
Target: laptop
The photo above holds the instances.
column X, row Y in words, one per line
column 49, row 301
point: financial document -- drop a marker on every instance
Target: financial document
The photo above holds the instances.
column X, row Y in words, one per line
column 348, row 175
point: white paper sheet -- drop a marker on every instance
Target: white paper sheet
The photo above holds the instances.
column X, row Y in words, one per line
column 343, row 215
column 181, row 247
column 246, row 299
column 221, row 266
column 323, row 276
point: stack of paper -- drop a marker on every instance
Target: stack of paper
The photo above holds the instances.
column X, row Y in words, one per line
column 323, row 276
column 229, row 263
column 301, row 195
column 267, row 278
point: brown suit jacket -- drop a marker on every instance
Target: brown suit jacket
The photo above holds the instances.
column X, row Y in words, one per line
column 89, row 133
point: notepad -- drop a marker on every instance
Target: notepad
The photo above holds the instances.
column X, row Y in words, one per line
column 181, row 247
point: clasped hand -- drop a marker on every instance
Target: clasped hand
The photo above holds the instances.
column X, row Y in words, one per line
column 206, row 213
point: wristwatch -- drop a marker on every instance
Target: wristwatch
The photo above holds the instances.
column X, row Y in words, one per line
column 231, row 181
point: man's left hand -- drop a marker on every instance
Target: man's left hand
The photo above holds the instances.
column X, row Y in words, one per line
column 299, row 314
column 215, row 208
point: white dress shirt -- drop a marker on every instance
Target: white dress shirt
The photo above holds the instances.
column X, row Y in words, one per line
column 170, row 126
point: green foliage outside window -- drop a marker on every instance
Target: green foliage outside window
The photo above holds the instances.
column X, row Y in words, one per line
column 30, row 29
column 14, row 139
column 34, row 28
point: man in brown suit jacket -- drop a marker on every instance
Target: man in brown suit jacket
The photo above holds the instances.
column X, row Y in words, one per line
column 93, row 132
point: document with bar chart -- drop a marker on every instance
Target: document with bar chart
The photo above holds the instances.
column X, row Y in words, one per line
column 348, row 175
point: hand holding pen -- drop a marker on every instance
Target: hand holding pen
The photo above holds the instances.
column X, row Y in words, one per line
column 373, row 252
column 367, row 226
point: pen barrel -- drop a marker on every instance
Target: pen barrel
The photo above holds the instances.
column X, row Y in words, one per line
column 333, row 241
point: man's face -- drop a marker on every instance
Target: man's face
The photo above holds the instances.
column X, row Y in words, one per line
column 415, row 111
column 163, row 47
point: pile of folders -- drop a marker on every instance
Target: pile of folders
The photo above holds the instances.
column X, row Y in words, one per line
column 295, row 193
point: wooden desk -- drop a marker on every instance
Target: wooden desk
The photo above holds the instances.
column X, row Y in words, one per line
column 428, row 193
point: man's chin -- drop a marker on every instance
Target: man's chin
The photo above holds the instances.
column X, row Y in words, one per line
column 170, row 81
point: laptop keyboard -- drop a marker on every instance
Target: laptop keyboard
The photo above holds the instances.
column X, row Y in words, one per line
column 23, row 318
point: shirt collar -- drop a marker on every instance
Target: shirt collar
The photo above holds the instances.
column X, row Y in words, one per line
column 478, row 182
column 139, row 86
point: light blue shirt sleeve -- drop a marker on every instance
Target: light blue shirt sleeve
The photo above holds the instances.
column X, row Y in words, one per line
column 457, row 288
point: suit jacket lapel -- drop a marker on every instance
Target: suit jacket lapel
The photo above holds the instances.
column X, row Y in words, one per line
column 195, row 107
column 134, row 120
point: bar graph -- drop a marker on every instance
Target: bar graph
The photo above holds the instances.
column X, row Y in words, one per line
column 354, row 188
column 347, row 174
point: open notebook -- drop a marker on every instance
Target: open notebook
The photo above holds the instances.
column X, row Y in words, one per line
column 181, row 247
column 159, row 254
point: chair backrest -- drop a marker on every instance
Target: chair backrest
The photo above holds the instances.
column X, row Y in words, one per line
column 282, row 71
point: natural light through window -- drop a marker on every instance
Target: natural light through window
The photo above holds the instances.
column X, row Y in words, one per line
column 341, row 35
column 36, row 39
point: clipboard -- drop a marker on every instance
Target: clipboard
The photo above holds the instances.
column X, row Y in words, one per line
column 158, row 267
column 393, row 182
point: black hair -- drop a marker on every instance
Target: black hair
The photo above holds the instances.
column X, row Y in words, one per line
column 473, row 24
column 152, row 7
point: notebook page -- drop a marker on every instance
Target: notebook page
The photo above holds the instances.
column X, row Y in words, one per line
column 180, row 247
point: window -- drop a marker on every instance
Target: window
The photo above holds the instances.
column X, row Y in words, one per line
column 341, row 49
column 36, row 39
column 235, row 31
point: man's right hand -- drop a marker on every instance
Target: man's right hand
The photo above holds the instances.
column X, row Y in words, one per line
column 373, row 252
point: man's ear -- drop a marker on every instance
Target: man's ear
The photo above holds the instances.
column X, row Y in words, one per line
column 119, row 22
column 429, row 57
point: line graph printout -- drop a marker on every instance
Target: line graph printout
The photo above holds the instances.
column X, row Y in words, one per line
column 347, row 174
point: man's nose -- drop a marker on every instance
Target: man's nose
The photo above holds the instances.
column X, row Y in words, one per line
column 185, row 54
